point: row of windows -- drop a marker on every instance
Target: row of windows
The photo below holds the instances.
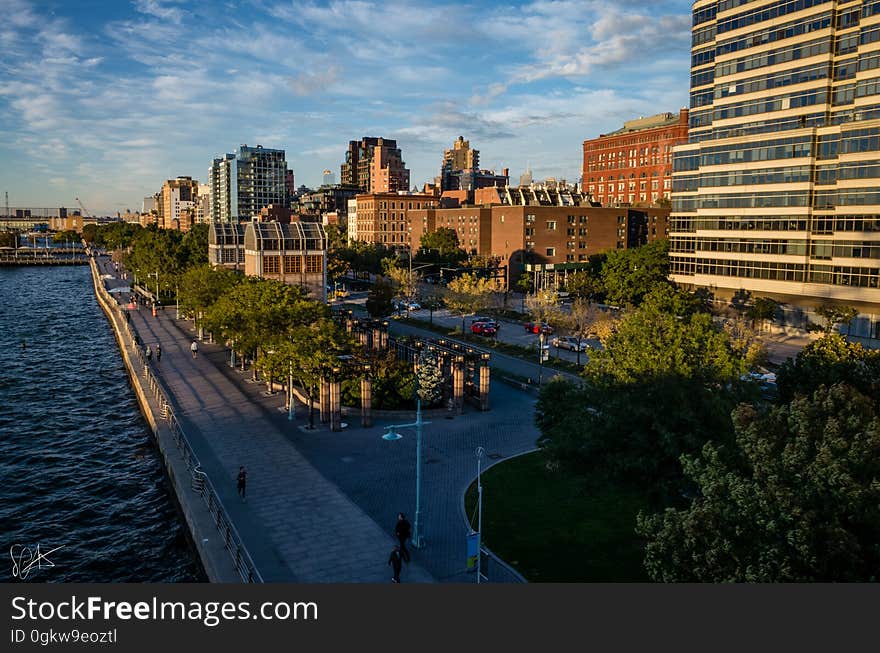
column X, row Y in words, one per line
column 740, row 269
column 702, row 77
column 751, row 107
column 767, row 13
column 852, row 223
column 772, row 57
column 829, row 199
column 704, row 15
column 845, row 249
column 783, row 148
column 819, row 224
column 817, row 250
column 703, row 35
column 766, row 126
column 742, row 178
column 775, row 33
column 845, row 275
column 787, row 78
column 691, row 224
column 770, row 247
column 293, row 264
column 850, row 170
column 743, row 200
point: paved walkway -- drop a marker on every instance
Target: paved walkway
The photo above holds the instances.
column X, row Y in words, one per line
column 321, row 506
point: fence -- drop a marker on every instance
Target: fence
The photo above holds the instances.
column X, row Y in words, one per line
column 200, row 482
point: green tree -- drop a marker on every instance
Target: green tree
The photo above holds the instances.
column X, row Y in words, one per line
column 202, row 286
column 441, row 247
column 404, row 282
column 623, row 427
column 796, row 499
column 827, row 361
column 544, row 306
column 835, row 315
column 430, row 380
column 339, row 254
column 68, row 235
column 468, row 294
column 583, row 283
column 762, row 309
column 193, row 250
column 741, row 301
column 630, row 274
column 581, row 321
column 378, row 303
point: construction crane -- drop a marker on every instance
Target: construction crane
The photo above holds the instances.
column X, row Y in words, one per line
column 84, row 209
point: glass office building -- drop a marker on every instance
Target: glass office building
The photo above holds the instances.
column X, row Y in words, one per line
column 778, row 189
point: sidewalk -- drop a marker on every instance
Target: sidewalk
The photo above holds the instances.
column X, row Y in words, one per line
column 297, row 525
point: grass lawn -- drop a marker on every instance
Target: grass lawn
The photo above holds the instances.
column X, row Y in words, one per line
column 552, row 528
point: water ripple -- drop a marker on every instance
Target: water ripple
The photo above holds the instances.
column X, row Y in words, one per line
column 78, row 464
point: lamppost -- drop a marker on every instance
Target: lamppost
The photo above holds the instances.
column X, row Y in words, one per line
column 177, row 298
column 479, row 514
column 289, row 389
column 541, row 354
column 391, row 435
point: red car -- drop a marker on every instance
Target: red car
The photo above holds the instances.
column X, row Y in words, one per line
column 534, row 327
column 484, row 328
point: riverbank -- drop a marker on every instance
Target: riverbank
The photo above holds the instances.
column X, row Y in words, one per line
column 185, row 479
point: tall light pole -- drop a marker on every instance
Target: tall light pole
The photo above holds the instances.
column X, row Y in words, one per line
column 391, row 434
column 540, row 354
column 479, row 513
column 177, row 298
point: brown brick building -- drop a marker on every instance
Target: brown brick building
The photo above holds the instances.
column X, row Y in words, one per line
column 633, row 165
column 381, row 217
column 540, row 231
column 375, row 165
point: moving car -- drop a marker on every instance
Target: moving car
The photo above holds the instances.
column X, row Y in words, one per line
column 489, row 328
column 571, row 343
column 534, row 327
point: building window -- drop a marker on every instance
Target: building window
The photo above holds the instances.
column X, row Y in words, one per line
column 271, row 264
column 292, row 264
column 551, row 225
column 551, row 251
column 314, row 263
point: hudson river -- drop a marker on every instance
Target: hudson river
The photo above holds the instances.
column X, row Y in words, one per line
column 79, row 468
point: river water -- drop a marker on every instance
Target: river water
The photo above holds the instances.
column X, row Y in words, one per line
column 78, row 467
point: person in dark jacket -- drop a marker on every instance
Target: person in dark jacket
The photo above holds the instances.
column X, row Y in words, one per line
column 395, row 562
column 403, row 531
column 242, row 482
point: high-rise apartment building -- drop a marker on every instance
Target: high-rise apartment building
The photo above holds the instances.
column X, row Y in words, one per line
column 633, row 165
column 176, row 203
column 375, row 165
column 203, row 204
column 778, row 189
column 461, row 169
column 245, row 182
column 220, row 182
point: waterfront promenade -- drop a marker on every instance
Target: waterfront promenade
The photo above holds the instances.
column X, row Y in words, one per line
column 321, row 506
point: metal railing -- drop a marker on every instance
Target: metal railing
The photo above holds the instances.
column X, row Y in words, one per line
column 200, row 482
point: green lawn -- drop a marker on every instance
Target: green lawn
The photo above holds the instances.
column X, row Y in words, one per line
column 552, row 528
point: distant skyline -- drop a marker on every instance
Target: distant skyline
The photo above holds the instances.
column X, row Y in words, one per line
column 105, row 100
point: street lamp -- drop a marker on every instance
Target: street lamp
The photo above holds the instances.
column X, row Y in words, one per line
column 391, row 435
column 480, row 452
column 177, row 298
column 541, row 354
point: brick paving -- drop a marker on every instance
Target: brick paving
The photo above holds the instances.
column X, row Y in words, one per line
column 321, row 506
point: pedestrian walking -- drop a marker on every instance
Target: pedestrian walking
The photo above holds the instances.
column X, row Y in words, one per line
column 148, row 353
column 158, row 352
column 403, row 531
column 242, row 482
column 194, row 348
column 394, row 561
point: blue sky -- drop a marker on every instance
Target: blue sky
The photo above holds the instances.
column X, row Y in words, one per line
column 105, row 100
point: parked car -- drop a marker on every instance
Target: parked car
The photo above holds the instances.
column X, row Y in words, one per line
column 484, row 328
column 570, row 343
column 482, row 319
column 534, row 327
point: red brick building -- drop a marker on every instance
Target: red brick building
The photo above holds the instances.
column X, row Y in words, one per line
column 381, row 217
column 538, row 231
column 633, row 165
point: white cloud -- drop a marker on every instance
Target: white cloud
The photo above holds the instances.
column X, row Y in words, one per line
column 159, row 10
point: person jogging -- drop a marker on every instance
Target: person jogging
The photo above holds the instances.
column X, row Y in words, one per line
column 194, row 348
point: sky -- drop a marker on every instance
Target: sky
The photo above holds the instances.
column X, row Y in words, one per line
column 104, row 100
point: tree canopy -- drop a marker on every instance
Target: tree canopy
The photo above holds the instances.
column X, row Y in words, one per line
column 620, row 424
column 796, row 498
column 628, row 275
column 827, row 361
